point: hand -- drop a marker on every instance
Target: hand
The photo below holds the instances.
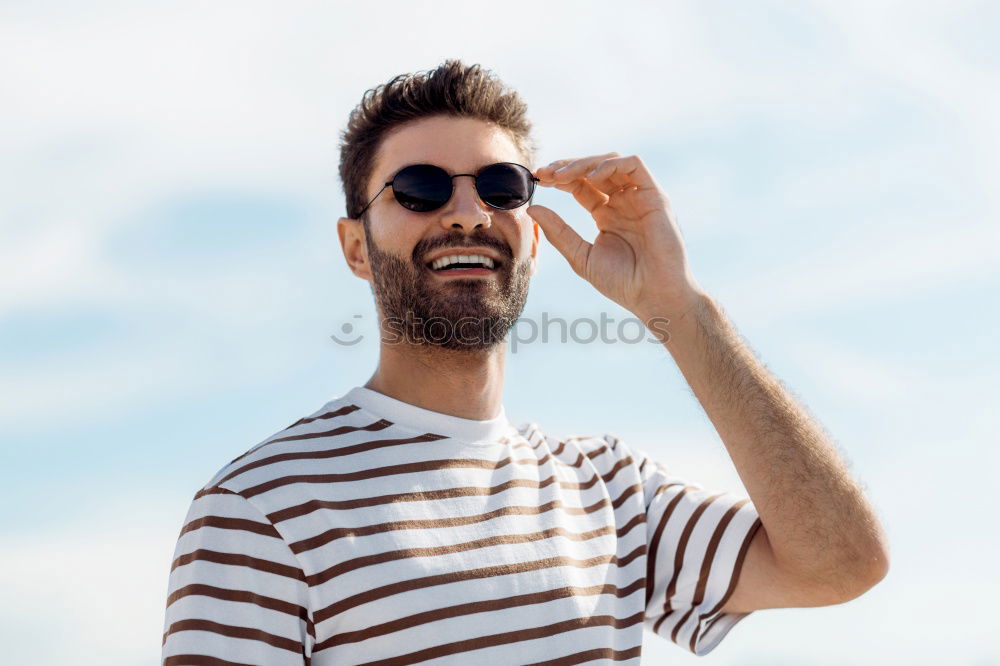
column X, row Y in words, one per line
column 637, row 259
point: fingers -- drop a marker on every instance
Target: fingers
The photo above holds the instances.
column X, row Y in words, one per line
column 563, row 237
column 620, row 173
column 609, row 173
column 586, row 194
column 547, row 172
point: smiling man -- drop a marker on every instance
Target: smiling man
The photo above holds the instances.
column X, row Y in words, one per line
column 408, row 520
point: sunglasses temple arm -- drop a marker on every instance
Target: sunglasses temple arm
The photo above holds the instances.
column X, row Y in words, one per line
column 373, row 199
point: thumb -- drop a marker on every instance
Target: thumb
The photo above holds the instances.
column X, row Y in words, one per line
column 563, row 237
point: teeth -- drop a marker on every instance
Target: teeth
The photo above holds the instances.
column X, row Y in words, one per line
column 462, row 258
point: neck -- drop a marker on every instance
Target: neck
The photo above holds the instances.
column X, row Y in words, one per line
column 468, row 385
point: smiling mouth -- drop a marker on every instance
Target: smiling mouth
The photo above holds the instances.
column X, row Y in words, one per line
column 466, row 265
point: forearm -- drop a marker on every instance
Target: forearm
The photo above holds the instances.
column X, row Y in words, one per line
column 816, row 517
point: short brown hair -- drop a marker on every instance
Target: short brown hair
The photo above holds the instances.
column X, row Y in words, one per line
column 451, row 89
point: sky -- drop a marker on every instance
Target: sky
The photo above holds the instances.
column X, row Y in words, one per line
column 171, row 273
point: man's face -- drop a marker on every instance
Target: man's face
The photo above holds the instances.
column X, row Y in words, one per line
column 453, row 308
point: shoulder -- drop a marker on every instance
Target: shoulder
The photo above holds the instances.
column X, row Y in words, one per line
column 604, row 450
column 289, row 450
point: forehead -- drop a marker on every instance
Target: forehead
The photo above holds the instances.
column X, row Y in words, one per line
column 460, row 145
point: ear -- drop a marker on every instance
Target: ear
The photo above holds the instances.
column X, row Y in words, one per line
column 534, row 246
column 352, row 242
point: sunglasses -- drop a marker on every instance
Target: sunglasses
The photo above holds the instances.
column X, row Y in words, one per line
column 425, row 187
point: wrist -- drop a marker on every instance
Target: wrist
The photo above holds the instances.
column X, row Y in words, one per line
column 678, row 319
column 677, row 309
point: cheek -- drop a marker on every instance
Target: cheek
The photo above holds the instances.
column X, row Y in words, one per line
column 397, row 238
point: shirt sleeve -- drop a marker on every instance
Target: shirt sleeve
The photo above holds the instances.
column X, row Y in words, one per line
column 236, row 593
column 696, row 544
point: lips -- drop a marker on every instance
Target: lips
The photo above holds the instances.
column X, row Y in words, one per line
column 464, row 272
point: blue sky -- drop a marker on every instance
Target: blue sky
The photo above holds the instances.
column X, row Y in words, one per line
column 171, row 273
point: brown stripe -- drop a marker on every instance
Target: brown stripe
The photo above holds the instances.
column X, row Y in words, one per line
column 379, row 528
column 346, row 566
column 236, row 632
column 240, row 560
column 634, row 489
column 331, row 535
column 620, row 465
column 310, row 506
column 264, row 529
column 299, row 510
column 471, row 608
column 679, row 560
column 590, row 655
column 596, row 452
column 534, row 435
column 508, row 637
column 246, row 597
column 331, row 453
column 737, row 567
column 713, row 546
column 696, row 634
column 673, row 634
column 639, row 551
column 391, row 589
column 389, row 470
column 638, row 519
column 198, row 660
column 213, row 490
column 654, row 542
column 329, row 415
column 706, row 564
column 381, row 424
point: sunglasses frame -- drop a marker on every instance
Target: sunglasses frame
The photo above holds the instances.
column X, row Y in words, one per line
column 475, row 178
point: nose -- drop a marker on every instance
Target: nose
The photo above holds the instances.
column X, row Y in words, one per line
column 465, row 210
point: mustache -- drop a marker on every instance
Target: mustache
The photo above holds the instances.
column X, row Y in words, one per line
column 457, row 240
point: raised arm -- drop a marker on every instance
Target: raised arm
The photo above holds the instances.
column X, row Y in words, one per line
column 820, row 542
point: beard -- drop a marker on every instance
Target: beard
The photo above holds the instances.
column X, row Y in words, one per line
column 471, row 314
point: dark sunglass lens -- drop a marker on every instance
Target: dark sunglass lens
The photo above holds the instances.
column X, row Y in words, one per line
column 505, row 185
column 422, row 187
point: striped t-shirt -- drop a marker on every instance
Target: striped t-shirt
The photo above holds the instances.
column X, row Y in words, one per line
column 377, row 532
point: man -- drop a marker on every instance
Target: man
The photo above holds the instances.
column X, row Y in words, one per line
column 409, row 521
